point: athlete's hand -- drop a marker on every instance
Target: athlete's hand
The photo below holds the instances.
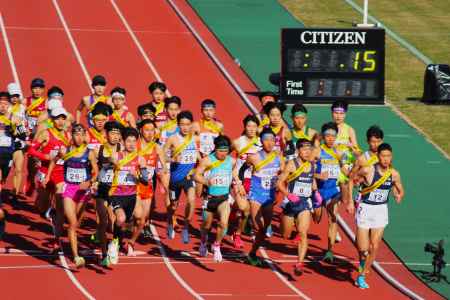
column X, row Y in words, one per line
column 45, row 182
column 85, row 185
column 324, row 175
column 397, row 197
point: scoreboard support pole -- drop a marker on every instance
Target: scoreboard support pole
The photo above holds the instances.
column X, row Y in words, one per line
column 366, row 12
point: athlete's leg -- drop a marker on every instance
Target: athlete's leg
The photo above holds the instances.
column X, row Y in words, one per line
column 376, row 235
column 244, row 207
column 103, row 217
column 139, row 222
column 43, row 199
column 224, row 213
column 363, row 244
column 332, row 210
column 70, row 210
column 190, row 206
column 303, row 223
column 18, row 159
column 206, row 226
column 59, row 206
column 287, row 224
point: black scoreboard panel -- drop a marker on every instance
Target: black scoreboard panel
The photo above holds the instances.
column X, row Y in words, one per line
column 323, row 65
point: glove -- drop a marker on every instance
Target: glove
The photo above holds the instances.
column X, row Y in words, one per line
column 293, row 198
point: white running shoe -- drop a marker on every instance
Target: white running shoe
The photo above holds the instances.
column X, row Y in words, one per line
column 217, row 253
column 130, row 250
column 113, row 251
column 338, row 237
column 203, row 250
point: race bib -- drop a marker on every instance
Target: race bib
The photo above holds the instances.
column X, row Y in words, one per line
column 93, row 146
column 379, row 196
column 32, row 122
column 206, row 143
column 5, row 141
column 332, row 170
column 125, row 178
column 188, row 157
column 105, row 176
column 302, row 189
column 76, row 175
column 220, row 180
column 268, row 183
column 40, row 177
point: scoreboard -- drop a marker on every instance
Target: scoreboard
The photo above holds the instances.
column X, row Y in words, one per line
column 323, row 65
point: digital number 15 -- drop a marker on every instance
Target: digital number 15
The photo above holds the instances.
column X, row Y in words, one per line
column 367, row 58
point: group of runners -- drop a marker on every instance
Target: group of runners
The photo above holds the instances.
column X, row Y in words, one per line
column 117, row 161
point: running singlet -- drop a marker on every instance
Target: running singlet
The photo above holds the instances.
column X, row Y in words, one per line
column 209, row 130
column 263, row 181
column 301, row 134
column 53, row 146
column 246, row 147
column 166, row 133
column 121, row 118
column 6, row 138
column 328, row 163
column 92, row 103
column 160, row 114
column 35, row 107
column 380, row 195
column 343, row 138
column 279, row 140
column 106, row 168
column 302, row 184
column 96, row 139
column 77, row 169
column 180, row 169
column 220, row 176
column 124, row 182
column 148, row 152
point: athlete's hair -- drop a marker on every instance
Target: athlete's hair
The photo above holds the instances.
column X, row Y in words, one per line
column 145, row 122
column 374, row 131
column 250, row 118
column 266, row 130
column 329, row 125
column 298, row 107
column 185, row 114
column 4, row 94
column 222, row 141
column 112, row 125
column 339, row 104
column 208, row 102
column 303, row 142
column 78, row 127
column 118, row 89
column 173, row 99
column 272, row 105
column 129, row 131
column 54, row 89
column 145, row 107
column 156, row 85
column 384, row 146
column 268, row 93
column 98, row 80
column 102, row 108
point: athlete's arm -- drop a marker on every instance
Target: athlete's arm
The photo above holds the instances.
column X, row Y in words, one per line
column 352, row 137
column 200, row 170
column 80, row 108
column 93, row 160
column 168, row 148
column 282, row 178
column 131, row 120
column 398, row 191
column 39, row 142
column 196, row 128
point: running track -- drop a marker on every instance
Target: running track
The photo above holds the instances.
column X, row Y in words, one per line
column 133, row 43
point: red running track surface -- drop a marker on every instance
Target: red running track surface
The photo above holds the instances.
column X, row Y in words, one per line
column 41, row 47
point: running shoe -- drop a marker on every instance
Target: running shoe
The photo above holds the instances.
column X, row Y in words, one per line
column 170, row 232
column 94, row 238
column 254, row 260
column 147, row 231
column 297, row 238
column 269, row 231
column 237, row 241
column 185, row 236
column 106, row 262
column 361, row 282
column 298, row 269
column 203, row 250
column 328, row 257
column 174, row 221
column 2, row 228
column 217, row 253
column 130, row 250
column 50, row 214
column 338, row 237
column 113, row 251
column 79, row 262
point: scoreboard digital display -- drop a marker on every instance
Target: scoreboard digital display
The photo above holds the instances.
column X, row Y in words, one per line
column 323, row 65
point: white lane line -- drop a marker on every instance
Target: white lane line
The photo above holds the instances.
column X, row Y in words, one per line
column 280, row 276
column 169, row 266
column 137, row 43
column 216, row 295
column 9, row 53
column 72, row 43
column 30, row 28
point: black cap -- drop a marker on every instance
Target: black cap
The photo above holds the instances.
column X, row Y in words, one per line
column 37, row 82
column 98, row 80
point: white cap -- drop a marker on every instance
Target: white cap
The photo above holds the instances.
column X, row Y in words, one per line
column 58, row 111
column 13, row 89
column 54, row 103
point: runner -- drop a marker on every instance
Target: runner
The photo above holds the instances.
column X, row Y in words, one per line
column 216, row 172
column 208, row 127
column 35, row 105
column 184, row 154
column 80, row 171
column 120, row 111
column 99, row 87
column 267, row 165
column 146, row 111
column 17, row 110
column 300, row 129
column 152, row 154
column 169, row 127
column 247, row 144
column 264, row 98
column 372, row 213
column 129, row 169
column 50, row 145
column 329, row 167
column 55, row 99
column 297, row 183
column 158, row 93
column 97, row 134
column 102, row 203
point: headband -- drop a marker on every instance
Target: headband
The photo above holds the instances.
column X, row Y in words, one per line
column 117, row 94
column 330, row 132
column 267, row 135
column 299, row 114
column 339, row 109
